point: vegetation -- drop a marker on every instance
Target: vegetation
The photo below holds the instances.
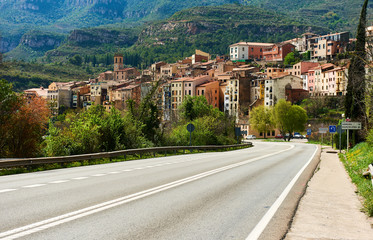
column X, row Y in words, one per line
column 261, row 119
column 23, row 122
column 25, row 75
column 355, row 96
column 356, row 163
column 289, row 118
column 212, row 127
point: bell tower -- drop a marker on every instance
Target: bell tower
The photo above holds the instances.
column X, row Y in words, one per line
column 118, row 62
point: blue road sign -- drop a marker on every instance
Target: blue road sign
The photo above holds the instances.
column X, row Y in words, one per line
column 332, row 129
column 309, row 131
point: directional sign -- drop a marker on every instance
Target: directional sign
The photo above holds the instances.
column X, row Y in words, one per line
column 309, row 131
column 332, row 129
column 323, row 130
column 237, row 131
column 339, row 129
column 351, row 125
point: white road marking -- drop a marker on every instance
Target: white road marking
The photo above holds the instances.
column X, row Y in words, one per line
column 139, row 168
column 98, row 175
column 34, row 186
column 113, row 172
column 7, row 190
column 80, row 178
column 59, row 181
column 48, row 223
column 127, row 170
column 259, row 228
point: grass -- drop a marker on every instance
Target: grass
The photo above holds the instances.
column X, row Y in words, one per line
column 45, row 167
column 356, row 163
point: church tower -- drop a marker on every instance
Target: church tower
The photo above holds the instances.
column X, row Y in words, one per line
column 118, row 62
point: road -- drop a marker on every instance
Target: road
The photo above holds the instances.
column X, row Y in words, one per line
column 228, row 195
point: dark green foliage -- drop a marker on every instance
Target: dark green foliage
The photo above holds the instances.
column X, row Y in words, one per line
column 212, row 127
column 94, row 130
column 355, row 96
column 76, row 60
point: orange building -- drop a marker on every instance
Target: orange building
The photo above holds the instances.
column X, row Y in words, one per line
column 211, row 92
column 278, row 52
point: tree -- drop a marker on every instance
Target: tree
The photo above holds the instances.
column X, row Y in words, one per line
column 289, row 118
column 356, row 86
column 25, row 128
column 261, row 119
column 76, row 60
column 292, row 58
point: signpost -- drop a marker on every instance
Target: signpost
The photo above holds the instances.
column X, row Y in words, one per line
column 322, row 131
column 190, row 129
column 237, row 131
column 350, row 126
column 309, row 132
column 332, row 130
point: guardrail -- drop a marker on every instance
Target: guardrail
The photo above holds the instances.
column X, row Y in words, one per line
column 20, row 162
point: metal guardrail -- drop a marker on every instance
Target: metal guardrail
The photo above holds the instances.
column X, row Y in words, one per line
column 18, row 162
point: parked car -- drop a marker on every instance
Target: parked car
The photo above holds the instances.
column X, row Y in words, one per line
column 298, row 136
column 250, row 137
column 280, row 136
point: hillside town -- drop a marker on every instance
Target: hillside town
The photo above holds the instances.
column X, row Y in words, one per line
column 252, row 75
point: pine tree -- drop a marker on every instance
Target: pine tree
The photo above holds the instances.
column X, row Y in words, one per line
column 355, row 96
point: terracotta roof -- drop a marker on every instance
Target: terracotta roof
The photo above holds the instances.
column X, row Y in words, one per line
column 252, row 44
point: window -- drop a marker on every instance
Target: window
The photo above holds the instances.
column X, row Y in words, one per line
column 203, row 92
column 190, row 92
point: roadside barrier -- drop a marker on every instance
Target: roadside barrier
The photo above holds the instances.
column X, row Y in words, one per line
column 371, row 172
column 19, row 162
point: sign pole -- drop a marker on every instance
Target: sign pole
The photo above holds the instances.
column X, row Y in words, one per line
column 348, row 140
column 340, row 140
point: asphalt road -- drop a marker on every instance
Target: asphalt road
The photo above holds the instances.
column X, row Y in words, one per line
column 229, row 195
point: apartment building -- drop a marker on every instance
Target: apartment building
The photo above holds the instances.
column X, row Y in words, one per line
column 248, row 50
column 282, row 88
column 210, row 91
column 278, row 52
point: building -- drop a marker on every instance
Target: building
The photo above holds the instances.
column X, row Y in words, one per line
column 284, row 87
column 327, row 47
column 210, row 91
column 248, row 50
column 301, row 70
column 278, row 52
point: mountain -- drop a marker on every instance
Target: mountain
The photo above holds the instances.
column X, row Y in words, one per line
column 62, row 16
column 211, row 29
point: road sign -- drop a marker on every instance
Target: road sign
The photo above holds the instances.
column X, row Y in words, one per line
column 339, row 129
column 323, row 130
column 309, row 131
column 237, row 131
column 351, row 125
column 190, row 127
column 332, row 129
column 243, row 132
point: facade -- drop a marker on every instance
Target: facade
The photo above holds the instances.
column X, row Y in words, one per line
column 211, row 92
column 190, row 84
column 327, row 47
column 278, row 52
column 275, row 72
column 278, row 88
column 248, row 50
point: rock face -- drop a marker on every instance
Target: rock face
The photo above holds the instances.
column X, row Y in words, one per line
column 97, row 36
column 41, row 41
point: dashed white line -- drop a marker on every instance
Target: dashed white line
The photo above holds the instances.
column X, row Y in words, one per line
column 7, row 190
column 98, row 175
column 139, row 168
column 80, row 178
column 113, row 172
column 127, row 170
column 34, row 186
column 60, row 181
